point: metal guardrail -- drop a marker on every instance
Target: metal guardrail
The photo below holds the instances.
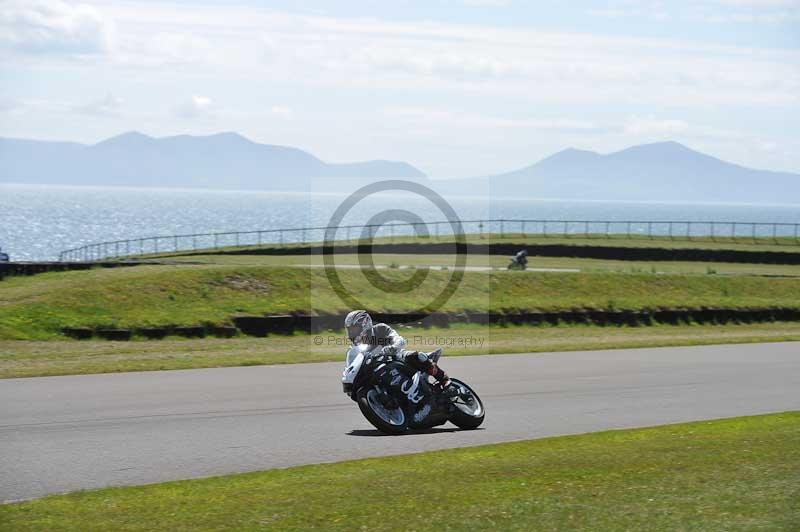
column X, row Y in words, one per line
column 736, row 232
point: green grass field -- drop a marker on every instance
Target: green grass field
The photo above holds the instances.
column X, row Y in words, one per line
column 71, row 357
column 731, row 474
column 38, row 307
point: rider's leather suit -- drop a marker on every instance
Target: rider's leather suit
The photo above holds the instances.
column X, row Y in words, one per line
column 384, row 336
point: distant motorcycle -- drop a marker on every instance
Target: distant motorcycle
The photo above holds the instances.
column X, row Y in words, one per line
column 514, row 265
column 519, row 261
column 394, row 397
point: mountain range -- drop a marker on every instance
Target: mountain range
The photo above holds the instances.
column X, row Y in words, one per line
column 224, row 160
column 664, row 171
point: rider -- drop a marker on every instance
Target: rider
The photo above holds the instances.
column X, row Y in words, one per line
column 521, row 257
column 360, row 330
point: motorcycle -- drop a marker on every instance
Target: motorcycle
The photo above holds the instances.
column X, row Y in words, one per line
column 395, row 397
column 517, row 265
column 519, row 261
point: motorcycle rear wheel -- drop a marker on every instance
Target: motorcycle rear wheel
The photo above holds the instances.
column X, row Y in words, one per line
column 390, row 421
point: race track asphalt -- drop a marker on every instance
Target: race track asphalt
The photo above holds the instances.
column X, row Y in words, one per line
column 62, row 434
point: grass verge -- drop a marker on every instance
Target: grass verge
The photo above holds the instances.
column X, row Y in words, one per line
column 730, row 474
column 71, row 357
column 36, row 308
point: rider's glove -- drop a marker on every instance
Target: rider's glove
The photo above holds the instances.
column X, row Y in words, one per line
column 388, row 350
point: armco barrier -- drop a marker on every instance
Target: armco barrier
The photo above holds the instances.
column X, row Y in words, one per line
column 286, row 324
column 8, row 269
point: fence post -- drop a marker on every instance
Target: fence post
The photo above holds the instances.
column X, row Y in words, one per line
column 712, row 232
column 524, row 234
column 608, row 225
column 502, row 228
column 754, row 233
column 629, row 230
column 775, row 233
column 649, row 230
column 688, row 230
column 175, row 242
column 795, row 232
column 566, row 228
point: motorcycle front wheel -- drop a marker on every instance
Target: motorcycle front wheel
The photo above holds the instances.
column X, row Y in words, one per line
column 388, row 420
column 468, row 411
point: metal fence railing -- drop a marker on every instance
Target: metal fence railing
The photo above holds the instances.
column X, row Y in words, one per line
column 735, row 232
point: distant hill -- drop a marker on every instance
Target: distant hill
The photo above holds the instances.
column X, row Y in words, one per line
column 664, row 171
column 224, row 160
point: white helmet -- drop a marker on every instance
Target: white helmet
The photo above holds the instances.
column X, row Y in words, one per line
column 358, row 325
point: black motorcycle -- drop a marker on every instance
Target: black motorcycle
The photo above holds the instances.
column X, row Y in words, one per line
column 519, row 261
column 395, row 397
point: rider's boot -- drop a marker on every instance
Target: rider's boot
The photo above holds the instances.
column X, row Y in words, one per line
column 443, row 380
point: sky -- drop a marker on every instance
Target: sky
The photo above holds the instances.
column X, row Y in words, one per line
column 457, row 88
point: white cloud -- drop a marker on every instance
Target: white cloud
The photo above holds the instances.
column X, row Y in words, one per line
column 196, row 107
column 712, row 11
column 650, row 127
column 265, row 46
column 521, row 86
column 53, row 26
column 487, row 3
column 767, row 145
column 170, row 49
column 422, row 116
column 110, row 105
column 8, row 106
column 652, row 9
column 760, row 3
column 282, row 111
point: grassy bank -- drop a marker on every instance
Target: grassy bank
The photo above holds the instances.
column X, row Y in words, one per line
column 733, row 474
column 500, row 262
column 70, row 357
column 38, row 307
